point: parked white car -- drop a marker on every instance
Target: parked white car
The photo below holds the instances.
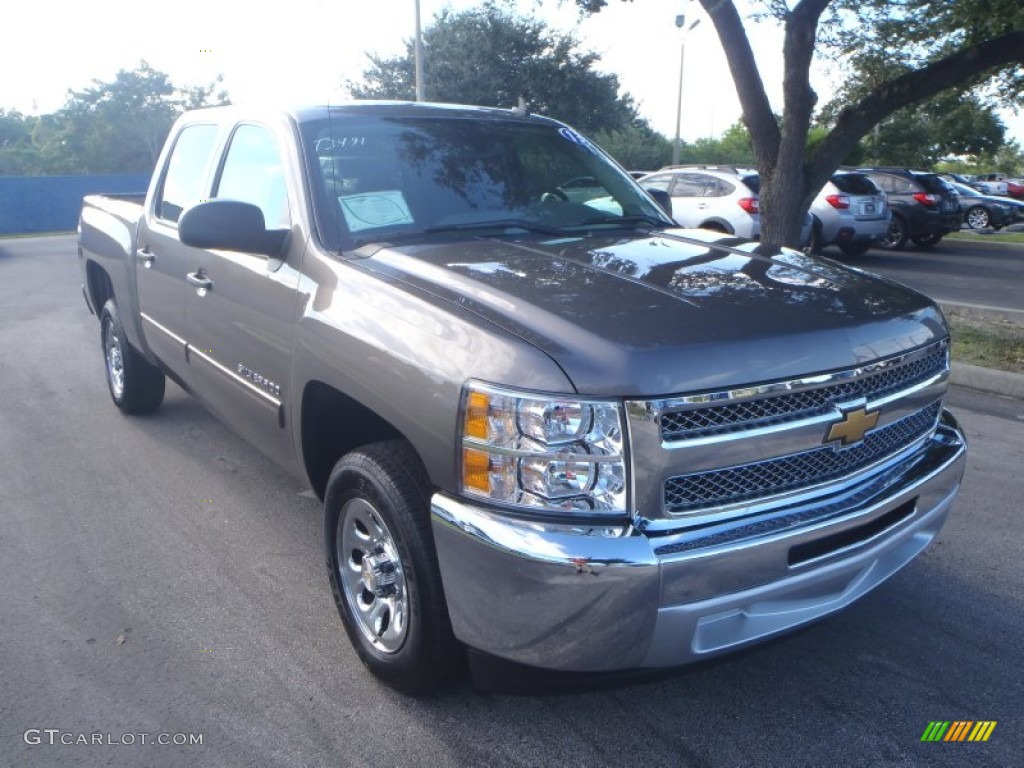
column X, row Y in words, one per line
column 722, row 198
column 719, row 198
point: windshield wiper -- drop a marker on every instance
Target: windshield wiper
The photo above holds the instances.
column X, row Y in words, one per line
column 502, row 225
column 523, row 224
column 623, row 221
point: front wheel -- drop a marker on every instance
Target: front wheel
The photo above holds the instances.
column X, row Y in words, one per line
column 383, row 568
column 136, row 386
column 896, row 237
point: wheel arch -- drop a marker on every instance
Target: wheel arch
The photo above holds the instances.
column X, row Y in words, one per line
column 333, row 424
column 716, row 224
column 98, row 285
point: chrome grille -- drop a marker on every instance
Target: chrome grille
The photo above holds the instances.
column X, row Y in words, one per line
column 707, row 420
column 689, row 493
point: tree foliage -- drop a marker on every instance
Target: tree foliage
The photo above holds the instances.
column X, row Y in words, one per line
column 953, row 124
column 110, row 127
column 733, row 147
column 954, row 44
column 636, row 147
column 1008, row 158
column 489, row 56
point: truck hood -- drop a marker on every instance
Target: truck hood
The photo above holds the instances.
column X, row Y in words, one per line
column 672, row 312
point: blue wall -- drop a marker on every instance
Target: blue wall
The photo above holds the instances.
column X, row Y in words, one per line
column 52, row 203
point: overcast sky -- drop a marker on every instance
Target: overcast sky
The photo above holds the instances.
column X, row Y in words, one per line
column 303, row 50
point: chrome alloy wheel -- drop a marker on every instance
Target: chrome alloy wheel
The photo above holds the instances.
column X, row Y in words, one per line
column 371, row 576
column 978, row 218
column 115, row 360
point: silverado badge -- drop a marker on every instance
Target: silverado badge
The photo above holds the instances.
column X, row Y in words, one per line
column 853, row 426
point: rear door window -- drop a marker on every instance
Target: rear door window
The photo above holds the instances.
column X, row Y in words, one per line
column 689, row 185
column 718, row 188
column 184, row 182
column 896, row 185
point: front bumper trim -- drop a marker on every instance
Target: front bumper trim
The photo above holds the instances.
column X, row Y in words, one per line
column 602, row 599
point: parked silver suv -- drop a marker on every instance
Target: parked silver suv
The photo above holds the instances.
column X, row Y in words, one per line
column 851, row 212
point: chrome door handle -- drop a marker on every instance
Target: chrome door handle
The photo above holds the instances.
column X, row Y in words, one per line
column 200, row 281
column 146, row 256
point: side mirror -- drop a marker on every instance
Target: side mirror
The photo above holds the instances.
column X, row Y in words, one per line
column 662, row 198
column 229, row 225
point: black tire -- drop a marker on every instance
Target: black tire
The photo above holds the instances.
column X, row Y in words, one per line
column 376, row 508
column 896, row 237
column 817, row 244
column 927, row 241
column 858, row 248
column 136, row 386
column 978, row 217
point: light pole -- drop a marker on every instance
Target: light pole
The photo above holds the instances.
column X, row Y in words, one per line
column 418, row 48
column 681, row 24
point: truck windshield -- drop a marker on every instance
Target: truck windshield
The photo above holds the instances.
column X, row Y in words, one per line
column 390, row 179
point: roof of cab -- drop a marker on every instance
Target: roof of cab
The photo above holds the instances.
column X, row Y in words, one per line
column 306, row 113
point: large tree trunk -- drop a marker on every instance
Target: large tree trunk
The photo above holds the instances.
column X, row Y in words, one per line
column 785, row 195
column 779, row 150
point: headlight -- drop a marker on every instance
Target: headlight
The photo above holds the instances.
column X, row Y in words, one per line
column 540, row 452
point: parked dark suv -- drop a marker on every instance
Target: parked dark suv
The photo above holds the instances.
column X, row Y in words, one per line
column 925, row 207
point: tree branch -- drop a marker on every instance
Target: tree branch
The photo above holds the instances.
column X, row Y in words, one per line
column 954, row 70
column 764, row 131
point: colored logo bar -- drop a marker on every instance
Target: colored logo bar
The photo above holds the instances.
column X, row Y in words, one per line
column 958, row 730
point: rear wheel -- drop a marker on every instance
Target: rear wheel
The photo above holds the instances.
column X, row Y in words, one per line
column 978, row 217
column 383, row 568
column 896, row 237
column 135, row 385
column 855, row 249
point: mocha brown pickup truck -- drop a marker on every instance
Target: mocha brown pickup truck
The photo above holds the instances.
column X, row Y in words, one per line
column 551, row 428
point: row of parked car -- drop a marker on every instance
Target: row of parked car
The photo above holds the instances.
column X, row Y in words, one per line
column 856, row 210
column 994, row 184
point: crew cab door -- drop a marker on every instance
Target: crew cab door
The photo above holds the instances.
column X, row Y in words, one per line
column 240, row 307
column 160, row 257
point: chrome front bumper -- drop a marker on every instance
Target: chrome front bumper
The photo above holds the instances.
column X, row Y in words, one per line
column 599, row 599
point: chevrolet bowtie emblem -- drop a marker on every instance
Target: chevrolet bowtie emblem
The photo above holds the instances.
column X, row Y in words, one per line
column 853, row 426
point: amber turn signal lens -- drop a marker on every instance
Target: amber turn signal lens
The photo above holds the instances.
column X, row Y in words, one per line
column 477, row 406
column 476, row 467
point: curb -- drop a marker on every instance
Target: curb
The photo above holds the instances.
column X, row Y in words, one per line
column 987, row 380
column 983, row 312
column 995, row 245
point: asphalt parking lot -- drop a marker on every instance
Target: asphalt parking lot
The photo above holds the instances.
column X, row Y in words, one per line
column 159, row 576
column 958, row 271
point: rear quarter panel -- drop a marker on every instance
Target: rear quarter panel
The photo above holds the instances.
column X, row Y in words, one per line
column 106, row 239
